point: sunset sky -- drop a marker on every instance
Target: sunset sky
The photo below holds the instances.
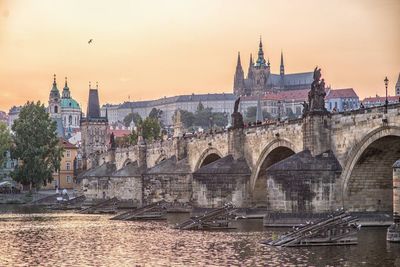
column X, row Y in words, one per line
column 150, row 49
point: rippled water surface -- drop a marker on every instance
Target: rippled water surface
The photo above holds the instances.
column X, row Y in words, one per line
column 67, row 239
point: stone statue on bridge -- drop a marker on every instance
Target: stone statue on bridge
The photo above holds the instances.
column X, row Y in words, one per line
column 316, row 96
column 237, row 118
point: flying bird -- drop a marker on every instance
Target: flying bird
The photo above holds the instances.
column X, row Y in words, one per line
column 90, row 41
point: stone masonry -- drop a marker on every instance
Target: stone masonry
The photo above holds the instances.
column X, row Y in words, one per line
column 365, row 143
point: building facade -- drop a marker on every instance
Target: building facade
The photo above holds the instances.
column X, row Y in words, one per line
column 338, row 100
column 379, row 101
column 260, row 80
column 65, row 178
column 218, row 102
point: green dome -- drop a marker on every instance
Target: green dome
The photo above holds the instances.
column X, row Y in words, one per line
column 69, row 103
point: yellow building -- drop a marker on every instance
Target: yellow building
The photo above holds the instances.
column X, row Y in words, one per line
column 64, row 179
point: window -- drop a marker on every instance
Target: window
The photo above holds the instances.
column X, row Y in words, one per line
column 69, row 179
column 68, row 166
column 70, row 119
column 56, row 109
column 68, row 152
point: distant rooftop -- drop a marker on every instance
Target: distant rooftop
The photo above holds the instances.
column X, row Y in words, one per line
column 176, row 99
column 341, row 93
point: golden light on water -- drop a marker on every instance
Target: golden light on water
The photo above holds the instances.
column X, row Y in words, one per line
column 148, row 49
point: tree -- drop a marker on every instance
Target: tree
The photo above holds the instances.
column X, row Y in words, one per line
column 136, row 119
column 5, row 141
column 187, row 118
column 203, row 116
column 250, row 114
column 151, row 129
column 220, row 119
column 36, row 145
column 155, row 113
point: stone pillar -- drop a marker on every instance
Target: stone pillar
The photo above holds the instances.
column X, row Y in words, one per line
column 316, row 132
column 180, row 148
column 236, row 135
column 393, row 232
column 236, row 143
column 396, row 192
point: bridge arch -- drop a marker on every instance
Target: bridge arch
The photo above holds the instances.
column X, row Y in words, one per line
column 273, row 152
column 367, row 175
column 209, row 155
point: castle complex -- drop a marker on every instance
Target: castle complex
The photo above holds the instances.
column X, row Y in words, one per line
column 260, row 80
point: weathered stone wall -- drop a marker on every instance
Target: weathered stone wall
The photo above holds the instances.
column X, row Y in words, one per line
column 303, row 193
column 259, row 139
column 169, row 187
column 209, row 192
column 198, row 148
column 124, row 188
column 348, row 135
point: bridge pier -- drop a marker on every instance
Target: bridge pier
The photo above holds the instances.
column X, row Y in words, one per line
column 393, row 233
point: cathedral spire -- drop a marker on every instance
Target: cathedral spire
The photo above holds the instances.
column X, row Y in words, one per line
column 239, row 63
column 260, row 60
column 282, row 67
column 238, row 84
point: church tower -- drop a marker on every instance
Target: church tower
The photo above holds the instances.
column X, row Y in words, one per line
column 66, row 93
column 282, row 72
column 94, row 130
column 397, row 88
column 261, row 72
column 54, row 101
column 238, row 84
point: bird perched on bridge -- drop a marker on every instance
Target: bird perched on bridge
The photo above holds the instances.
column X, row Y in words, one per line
column 90, row 41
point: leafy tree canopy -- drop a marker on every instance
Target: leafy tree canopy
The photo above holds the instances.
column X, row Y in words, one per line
column 155, row 113
column 251, row 113
column 136, row 119
column 36, row 145
column 5, row 141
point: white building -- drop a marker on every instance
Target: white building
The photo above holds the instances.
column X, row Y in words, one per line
column 218, row 102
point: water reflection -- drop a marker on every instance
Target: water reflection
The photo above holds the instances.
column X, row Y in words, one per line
column 69, row 239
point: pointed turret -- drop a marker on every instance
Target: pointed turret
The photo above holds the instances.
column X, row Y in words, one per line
column 260, row 60
column 54, row 100
column 238, row 84
column 397, row 88
column 93, row 109
column 282, row 67
column 66, row 93
column 54, row 88
column 250, row 74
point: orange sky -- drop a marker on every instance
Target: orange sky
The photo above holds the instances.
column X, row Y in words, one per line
column 149, row 49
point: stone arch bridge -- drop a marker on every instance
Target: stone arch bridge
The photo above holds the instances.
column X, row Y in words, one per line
column 317, row 163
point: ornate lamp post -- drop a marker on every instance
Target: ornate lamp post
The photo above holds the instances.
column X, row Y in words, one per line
column 386, row 100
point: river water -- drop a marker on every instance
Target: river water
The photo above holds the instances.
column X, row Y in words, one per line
column 69, row 239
